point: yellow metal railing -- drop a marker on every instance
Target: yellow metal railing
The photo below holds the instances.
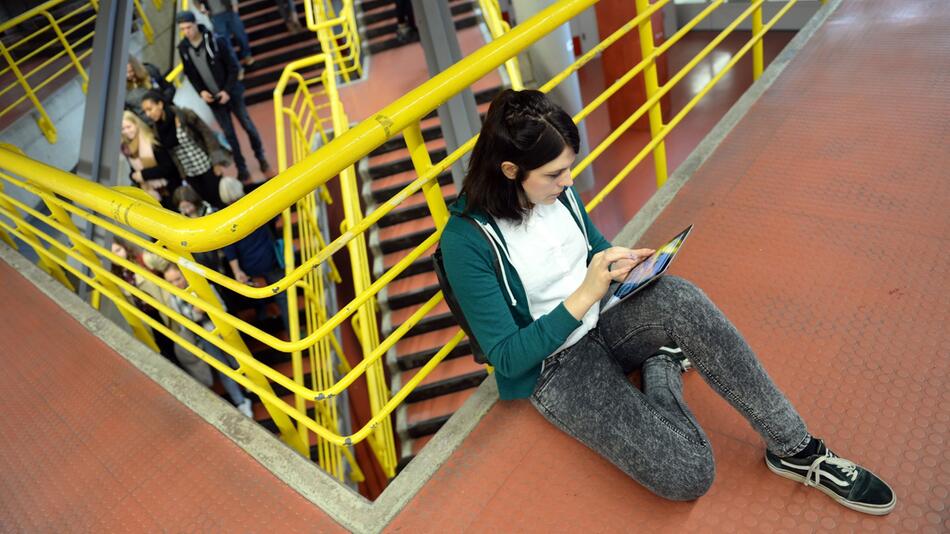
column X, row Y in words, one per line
column 497, row 26
column 173, row 237
column 309, row 114
column 338, row 35
column 55, row 50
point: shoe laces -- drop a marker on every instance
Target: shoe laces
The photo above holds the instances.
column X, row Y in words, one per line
column 847, row 468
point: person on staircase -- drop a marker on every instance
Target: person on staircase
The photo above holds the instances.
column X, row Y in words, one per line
column 141, row 78
column 211, row 67
column 174, row 276
column 152, row 167
column 288, row 12
column 129, row 252
column 195, row 148
column 255, row 256
column 406, row 30
column 227, row 23
column 529, row 270
column 197, row 368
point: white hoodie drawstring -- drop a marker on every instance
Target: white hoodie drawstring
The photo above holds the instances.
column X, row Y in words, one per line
column 580, row 218
column 492, row 238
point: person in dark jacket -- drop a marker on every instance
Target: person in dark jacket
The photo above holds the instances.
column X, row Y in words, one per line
column 197, row 153
column 227, row 22
column 255, row 256
column 153, row 167
column 529, row 269
column 211, row 67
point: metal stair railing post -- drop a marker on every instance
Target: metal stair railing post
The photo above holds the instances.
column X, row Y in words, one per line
column 305, row 124
column 27, row 235
column 652, row 85
column 147, row 30
column 198, row 284
column 498, row 27
column 43, row 121
column 139, row 329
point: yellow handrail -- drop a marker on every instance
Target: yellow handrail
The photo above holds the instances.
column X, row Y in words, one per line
column 337, row 35
column 498, row 27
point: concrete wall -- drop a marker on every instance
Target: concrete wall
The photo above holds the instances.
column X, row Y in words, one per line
column 159, row 53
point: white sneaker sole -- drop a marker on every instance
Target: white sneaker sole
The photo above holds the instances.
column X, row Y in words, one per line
column 882, row 509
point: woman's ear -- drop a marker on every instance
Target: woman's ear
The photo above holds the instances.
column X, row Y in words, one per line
column 509, row 169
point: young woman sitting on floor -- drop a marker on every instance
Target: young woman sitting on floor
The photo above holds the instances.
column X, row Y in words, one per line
column 538, row 321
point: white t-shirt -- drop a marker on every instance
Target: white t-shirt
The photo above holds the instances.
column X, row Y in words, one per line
column 549, row 251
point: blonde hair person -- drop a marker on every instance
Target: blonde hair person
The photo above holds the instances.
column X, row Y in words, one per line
column 230, row 189
column 141, row 78
column 153, row 168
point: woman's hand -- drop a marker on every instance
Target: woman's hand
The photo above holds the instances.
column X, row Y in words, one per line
column 621, row 268
column 599, row 276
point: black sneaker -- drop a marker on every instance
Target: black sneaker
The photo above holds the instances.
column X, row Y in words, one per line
column 676, row 354
column 844, row 481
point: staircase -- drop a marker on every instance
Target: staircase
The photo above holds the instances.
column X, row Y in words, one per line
column 384, row 172
column 273, row 47
column 377, row 22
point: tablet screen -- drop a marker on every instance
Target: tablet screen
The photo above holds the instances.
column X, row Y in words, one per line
column 648, row 269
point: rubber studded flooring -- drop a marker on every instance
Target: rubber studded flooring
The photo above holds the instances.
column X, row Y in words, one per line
column 821, row 227
column 90, row 444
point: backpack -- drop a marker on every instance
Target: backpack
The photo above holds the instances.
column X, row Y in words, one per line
column 477, row 353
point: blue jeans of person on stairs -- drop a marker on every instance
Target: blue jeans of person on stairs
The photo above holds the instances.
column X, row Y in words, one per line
column 228, row 24
column 234, row 391
column 651, row 435
column 235, row 106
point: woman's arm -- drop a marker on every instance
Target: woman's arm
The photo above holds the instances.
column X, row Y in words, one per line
column 512, row 350
column 164, row 168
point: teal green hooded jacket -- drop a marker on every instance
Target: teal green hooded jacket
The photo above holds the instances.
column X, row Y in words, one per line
column 495, row 304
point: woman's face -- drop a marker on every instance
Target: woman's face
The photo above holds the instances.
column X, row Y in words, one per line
column 544, row 184
column 129, row 130
column 120, row 251
column 153, row 110
column 129, row 72
column 187, row 209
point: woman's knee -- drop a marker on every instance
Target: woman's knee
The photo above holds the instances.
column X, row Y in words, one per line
column 677, row 287
column 687, row 480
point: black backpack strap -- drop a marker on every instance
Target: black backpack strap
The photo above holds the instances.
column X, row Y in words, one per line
column 452, row 302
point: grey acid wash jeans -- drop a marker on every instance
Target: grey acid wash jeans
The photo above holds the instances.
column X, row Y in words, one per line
column 651, row 434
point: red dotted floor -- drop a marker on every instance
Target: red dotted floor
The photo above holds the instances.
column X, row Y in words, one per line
column 90, row 444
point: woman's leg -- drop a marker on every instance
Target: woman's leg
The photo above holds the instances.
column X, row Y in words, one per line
column 585, row 393
column 672, row 309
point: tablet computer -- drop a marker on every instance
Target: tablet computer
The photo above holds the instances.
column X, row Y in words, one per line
column 646, row 271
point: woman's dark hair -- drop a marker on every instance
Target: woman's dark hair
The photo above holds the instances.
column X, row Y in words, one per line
column 525, row 128
column 154, row 96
